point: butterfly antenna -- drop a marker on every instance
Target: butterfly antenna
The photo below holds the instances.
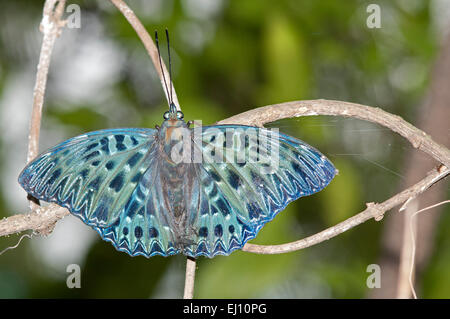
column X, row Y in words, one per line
column 162, row 71
column 170, row 65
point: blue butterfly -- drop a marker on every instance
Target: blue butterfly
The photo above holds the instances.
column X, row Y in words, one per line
column 148, row 196
column 201, row 191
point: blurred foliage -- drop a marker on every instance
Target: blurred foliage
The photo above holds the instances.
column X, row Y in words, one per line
column 228, row 57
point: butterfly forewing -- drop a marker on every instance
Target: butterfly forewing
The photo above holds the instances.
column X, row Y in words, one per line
column 93, row 174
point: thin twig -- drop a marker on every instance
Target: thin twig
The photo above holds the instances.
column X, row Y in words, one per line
column 413, row 236
column 190, row 278
column 406, row 252
column 373, row 210
column 149, row 46
column 16, row 245
column 51, row 25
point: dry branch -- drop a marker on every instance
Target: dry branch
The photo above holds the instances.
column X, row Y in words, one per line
column 396, row 241
column 51, row 25
column 419, row 139
column 272, row 113
column 190, row 278
column 149, row 46
column 373, row 210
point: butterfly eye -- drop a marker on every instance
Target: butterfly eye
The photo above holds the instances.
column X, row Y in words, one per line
column 180, row 115
column 166, row 115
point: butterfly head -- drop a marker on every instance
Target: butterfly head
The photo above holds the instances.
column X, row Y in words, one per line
column 173, row 125
column 173, row 114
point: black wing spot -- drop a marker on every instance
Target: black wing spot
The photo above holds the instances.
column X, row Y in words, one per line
column 213, row 191
column 110, row 165
column 95, row 163
column 246, row 141
column 116, row 223
column 91, row 146
column 119, row 138
column 117, row 183
column 205, row 207
column 91, row 155
column 153, row 232
column 134, row 159
column 138, row 232
column 215, row 176
column 223, row 207
column 234, row 180
column 121, row 147
column 203, row 232
column 231, row 229
column 125, row 231
column 218, row 230
column 104, row 141
column 119, row 142
column 132, row 208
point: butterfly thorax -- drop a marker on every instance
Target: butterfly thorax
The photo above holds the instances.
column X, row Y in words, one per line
column 171, row 135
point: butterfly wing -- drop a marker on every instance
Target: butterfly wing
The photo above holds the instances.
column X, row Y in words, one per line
column 143, row 227
column 92, row 174
column 111, row 180
column 260, row 173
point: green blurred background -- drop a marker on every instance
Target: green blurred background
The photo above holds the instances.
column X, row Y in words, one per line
column 227, row 57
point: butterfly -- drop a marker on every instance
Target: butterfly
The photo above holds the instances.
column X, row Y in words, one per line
column 199, row 191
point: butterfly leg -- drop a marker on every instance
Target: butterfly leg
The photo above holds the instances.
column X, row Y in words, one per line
column 33, row 199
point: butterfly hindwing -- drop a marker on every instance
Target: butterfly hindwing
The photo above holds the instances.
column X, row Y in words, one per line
column 142, row 227
column 220, row 229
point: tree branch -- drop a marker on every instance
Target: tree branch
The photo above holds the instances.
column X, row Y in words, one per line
column 286, row 110
column 40, row 220
column 375, row 211
column 190, row 278
column 149, row 46
column 51, row 25
column 275, row 112
column 419, row 139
